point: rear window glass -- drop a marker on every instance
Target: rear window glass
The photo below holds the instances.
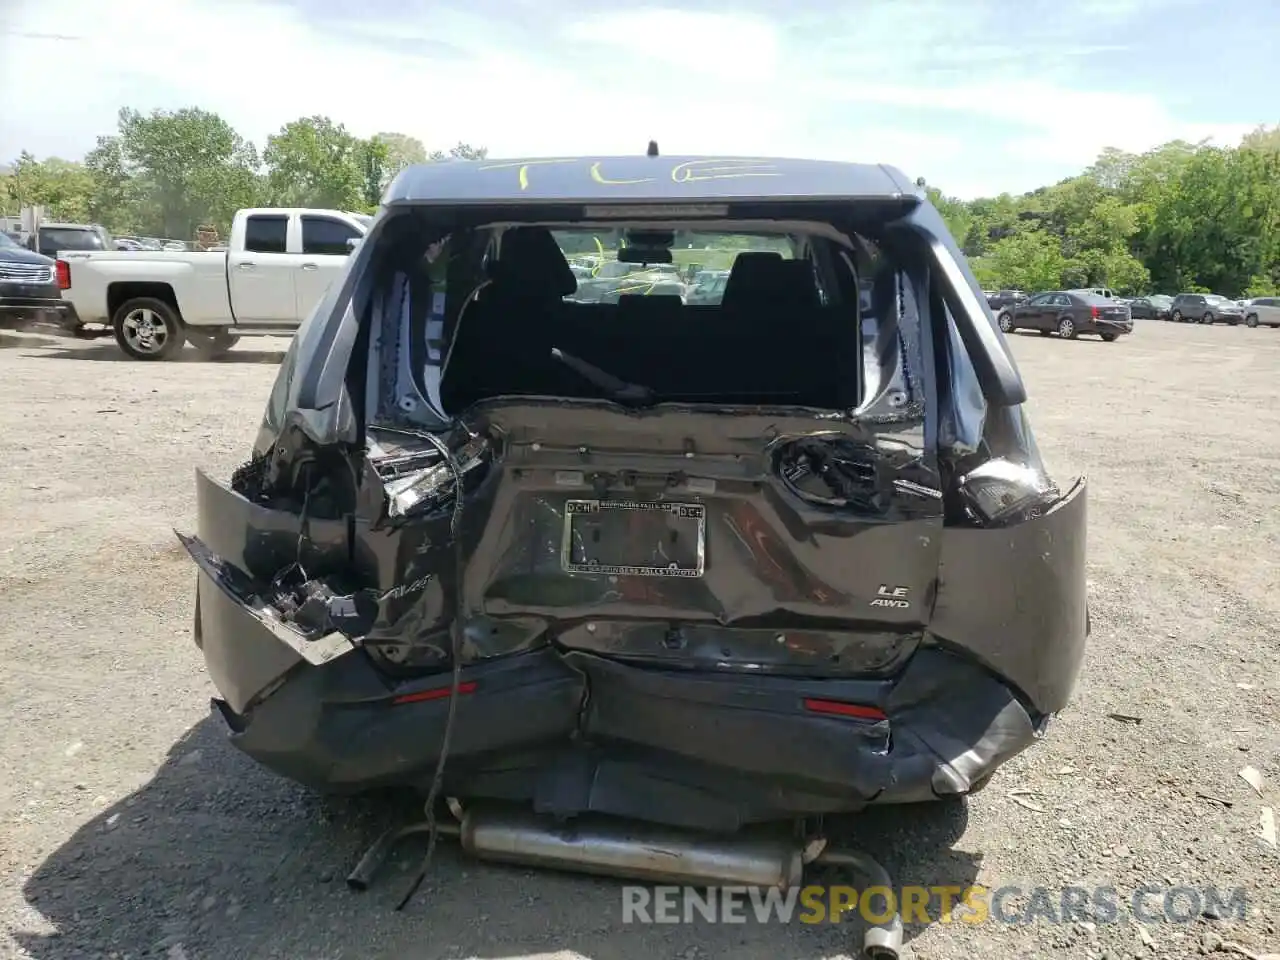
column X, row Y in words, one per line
column 701, row 265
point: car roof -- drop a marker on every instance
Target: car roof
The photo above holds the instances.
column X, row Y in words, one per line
column 676, row 178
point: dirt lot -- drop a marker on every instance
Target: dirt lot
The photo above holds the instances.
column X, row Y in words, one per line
column 129, row 828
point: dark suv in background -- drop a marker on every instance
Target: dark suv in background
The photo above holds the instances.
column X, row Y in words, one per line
column 28, row 285
column 1205, row 308
column 1153, row 307
column 53, row 237
column 1005, row 298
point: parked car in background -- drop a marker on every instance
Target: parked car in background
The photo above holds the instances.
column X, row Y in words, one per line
column 1005, row 298
column 1069, row 313
column 279, row 265
column 1205, row 308
column 1106, row 293
column 28, row 285
column 1154, row 307
column 52, row 238
column 1262, row 311
column 646, row 284
column 707, row 288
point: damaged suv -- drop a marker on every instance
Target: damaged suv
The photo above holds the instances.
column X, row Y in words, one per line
column 696, row 565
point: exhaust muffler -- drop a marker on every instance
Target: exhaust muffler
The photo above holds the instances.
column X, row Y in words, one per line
column 641, row 851
column 629, row 850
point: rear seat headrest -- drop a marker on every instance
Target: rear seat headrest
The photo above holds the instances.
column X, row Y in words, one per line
column 764, row 276
column 531, row 265
column 798, row 284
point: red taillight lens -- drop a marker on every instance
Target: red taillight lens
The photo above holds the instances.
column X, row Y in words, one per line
column 1095, row 312
column 437, row 693
column 837, row 708
column 64, row 275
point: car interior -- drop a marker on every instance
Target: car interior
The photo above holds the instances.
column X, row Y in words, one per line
column 779, row 334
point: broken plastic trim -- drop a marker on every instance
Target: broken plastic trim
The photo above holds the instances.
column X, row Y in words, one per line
column 317, row 645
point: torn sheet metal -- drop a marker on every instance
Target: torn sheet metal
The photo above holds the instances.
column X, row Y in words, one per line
column 415, row 474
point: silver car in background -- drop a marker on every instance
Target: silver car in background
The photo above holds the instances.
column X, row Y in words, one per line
column 1262, row 312
column 1205, row 308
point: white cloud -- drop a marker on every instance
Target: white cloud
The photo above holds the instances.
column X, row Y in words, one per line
column 1070, row 127
column 922, row 85
column 738, row 48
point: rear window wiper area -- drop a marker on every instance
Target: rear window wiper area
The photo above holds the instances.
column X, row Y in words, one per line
column 620, row 391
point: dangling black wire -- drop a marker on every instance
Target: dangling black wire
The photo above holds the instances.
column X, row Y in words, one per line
column 455, row 643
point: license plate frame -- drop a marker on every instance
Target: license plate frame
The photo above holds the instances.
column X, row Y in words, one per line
column 693, row 514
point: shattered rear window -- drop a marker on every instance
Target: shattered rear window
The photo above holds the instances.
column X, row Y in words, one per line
column 810, row 322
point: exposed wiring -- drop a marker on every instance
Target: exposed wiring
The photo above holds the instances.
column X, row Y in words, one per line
column 455, row 640
column 304, row 536
column 304, row 520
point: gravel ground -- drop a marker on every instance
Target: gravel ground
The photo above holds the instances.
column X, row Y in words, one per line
column 129, row 828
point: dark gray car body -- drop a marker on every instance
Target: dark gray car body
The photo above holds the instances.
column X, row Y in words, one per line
column 834, row 655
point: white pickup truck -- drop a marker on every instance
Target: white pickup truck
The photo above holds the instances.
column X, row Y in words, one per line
column 277, row 267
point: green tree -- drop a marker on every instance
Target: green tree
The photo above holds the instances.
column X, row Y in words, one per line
column 65, row 189
column 375, row 160
column 460, row 151
column 1027, row 260
column 188, row 167
column 117, row 199
column 402, row 151
column 314, row 162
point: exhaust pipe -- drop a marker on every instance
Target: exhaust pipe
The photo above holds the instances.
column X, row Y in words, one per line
column 630, row 850
column 641, row 851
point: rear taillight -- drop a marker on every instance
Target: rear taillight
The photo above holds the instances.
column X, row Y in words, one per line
column 837, row 708
column 435, row 693
column 64, row 275
column 1095, row 312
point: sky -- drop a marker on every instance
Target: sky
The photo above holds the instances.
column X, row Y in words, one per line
column 976, row 96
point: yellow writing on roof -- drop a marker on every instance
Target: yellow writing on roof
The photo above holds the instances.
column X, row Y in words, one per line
column 523, row 166
column 736, row 169
column 599, row 177
column 690, row 171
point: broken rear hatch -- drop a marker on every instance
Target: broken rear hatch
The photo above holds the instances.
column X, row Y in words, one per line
column 791, row 550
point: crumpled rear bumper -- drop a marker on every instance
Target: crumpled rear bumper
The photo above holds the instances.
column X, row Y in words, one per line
column 709, row 752
column 572, row 731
